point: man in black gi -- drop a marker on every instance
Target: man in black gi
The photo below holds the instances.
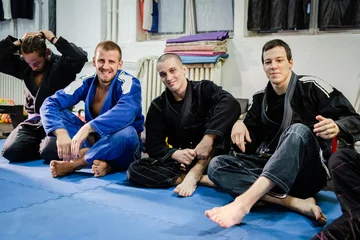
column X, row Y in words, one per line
column 185, row 127
column 283, row 141
column 43, row 73
column 344, row 166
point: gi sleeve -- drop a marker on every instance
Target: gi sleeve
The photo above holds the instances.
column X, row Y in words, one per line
column 253, row 122
column 333, row 104
column 123, row 114
column 156, row 133
column 72, row 58
column 10, row 60
column 225, row 109
column 62, row 99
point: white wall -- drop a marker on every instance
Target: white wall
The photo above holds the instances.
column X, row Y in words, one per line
column 332, row 57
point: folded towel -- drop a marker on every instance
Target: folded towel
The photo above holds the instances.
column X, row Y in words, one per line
column 215, row 48
column 203, row 59
column 200, row 37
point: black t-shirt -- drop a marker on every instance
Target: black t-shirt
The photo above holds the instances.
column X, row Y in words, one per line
column 275, row 107
column 177, row 105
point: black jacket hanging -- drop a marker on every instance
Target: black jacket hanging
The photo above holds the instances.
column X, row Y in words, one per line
column 22, row 9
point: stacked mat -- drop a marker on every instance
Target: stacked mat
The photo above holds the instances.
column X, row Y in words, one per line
column 199, row 48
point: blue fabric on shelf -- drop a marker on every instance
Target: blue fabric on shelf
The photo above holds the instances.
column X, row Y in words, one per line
column 203, row 59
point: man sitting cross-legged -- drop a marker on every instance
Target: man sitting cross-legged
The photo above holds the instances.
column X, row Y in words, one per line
column 109, row 139
column 282, row 140
column 195, row 118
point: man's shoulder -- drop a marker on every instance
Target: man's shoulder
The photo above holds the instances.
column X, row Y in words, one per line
column 127, row 81
column 259, row 93
column 317, row 83
column 124, row 76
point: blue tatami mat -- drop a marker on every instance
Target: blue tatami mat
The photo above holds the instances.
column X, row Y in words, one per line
column 33, row 205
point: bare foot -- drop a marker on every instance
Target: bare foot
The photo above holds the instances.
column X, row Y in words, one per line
column 187, row 187
column 205, row 181
column 60, row 168
column 228, row 215
column 309, row 208
column 100, row 168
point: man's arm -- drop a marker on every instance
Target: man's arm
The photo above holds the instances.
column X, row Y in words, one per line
column 72, row 58
column 337, row 117
column 246, row 134
column 224, row 111
column 10, row 61
column 62, row 99
column 156, row 133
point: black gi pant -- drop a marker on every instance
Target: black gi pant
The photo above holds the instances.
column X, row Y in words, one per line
column 345, row 169
column 23, row 144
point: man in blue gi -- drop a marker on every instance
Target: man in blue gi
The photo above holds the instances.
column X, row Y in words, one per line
column 109, row 138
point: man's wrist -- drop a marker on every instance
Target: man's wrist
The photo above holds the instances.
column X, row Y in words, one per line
column 53, row 39
column 210, row 138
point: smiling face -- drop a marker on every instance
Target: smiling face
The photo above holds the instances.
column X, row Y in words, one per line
column 173, row 74
column 277, row 68
column 107, row 63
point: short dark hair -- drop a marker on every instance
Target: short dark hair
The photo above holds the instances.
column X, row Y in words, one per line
column 167, row 56
column 108, row 46
column 276, row 43
column 34, row 44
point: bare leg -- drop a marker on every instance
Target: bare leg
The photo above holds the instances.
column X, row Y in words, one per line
column 61, row 168
column 205, row 181
column 234, row 212
column 187, row 187
column 306, row 207
column 100, row 168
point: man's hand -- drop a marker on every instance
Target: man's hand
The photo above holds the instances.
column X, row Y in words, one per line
column 47, row 34
column 28, row 34
column 79, row 138
column 239, row 134
column 204, row 148
column 63, row 143
column 185, row 156
column 326, row 128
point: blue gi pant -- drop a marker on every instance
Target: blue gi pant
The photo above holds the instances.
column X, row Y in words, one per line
column 118, row 148
column 295, row 167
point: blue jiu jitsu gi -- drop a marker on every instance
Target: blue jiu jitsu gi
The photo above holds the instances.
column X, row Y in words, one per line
column 117, row 126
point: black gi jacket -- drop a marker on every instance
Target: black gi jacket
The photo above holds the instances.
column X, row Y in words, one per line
column 207, row 109
column 311, row 96
column 60, row 71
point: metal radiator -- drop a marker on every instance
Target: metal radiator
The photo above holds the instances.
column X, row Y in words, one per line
column 12, row 88
column 152, row 86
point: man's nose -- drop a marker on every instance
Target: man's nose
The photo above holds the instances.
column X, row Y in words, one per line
column 273, row 64
column 105, row 65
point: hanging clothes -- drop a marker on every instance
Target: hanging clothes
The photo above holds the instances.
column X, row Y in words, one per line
column 7, row 9
column 22, row 9
column 339, row 14
column 276, row 15
column 1, row 11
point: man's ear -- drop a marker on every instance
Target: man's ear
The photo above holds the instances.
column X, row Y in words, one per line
column 47, row 54
column 93, row 61
column 120, row 64
column 291, row 61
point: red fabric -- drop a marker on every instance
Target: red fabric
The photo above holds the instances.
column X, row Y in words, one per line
column 334, row 145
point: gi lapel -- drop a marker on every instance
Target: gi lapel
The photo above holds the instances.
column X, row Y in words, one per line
column 266, row 150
